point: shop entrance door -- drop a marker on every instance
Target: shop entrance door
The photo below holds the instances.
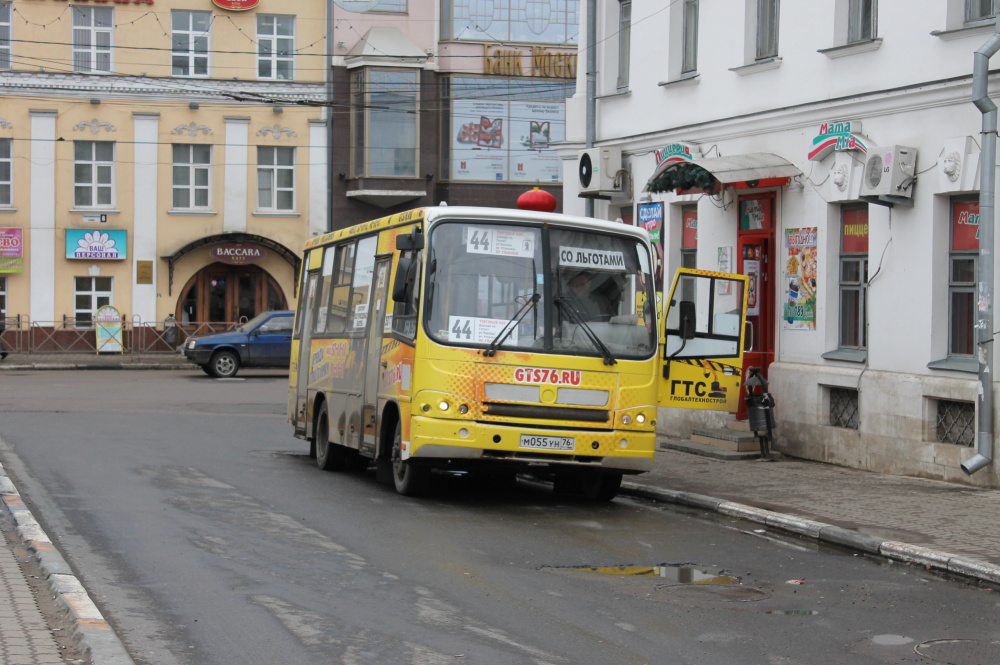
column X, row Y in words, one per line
column 755, row 258
column 221, row 293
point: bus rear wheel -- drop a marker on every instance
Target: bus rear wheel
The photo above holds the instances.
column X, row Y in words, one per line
column 329, row 456
column 409, row 480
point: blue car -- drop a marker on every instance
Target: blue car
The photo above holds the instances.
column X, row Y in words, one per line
column 263, row 341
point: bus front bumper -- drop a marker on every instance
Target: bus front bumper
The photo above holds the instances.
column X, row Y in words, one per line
column 620, row 450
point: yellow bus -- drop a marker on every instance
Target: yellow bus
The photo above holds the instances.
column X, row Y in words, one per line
column 502, row 341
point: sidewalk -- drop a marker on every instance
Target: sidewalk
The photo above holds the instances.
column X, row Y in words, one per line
column 943, row 526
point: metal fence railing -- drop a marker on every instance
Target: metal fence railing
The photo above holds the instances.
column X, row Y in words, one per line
column 26, row 336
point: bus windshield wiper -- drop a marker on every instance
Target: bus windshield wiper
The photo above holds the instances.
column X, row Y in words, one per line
column 509, row 327
column 564, row 303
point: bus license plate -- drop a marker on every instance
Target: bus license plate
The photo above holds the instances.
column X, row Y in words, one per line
column 533, row 442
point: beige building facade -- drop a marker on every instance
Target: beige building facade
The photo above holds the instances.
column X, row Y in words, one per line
column 167, row 158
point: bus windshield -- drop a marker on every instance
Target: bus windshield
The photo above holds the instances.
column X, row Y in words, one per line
column 497, row 286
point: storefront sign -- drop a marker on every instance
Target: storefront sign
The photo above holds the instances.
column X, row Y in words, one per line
column 11, row 254
column 651, row 218
column 800, row 279
column 100, row 245
column 543, row 62
column 755, row 214
column 855, row 239
column 965, row 225
column 689, row 231
column 108, row 328
column 674, row 152
column 840, row 135
column 236, row 5
column 237, row 254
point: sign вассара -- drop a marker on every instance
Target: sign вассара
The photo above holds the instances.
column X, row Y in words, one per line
column 237, row 254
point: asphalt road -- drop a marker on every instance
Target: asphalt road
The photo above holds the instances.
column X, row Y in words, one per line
column 206, row 536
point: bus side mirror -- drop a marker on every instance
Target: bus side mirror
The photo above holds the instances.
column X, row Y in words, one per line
column 402, row 277
column 410, row 241
column 688, row 319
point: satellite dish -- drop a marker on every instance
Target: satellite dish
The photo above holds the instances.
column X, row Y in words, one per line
column 357, row 6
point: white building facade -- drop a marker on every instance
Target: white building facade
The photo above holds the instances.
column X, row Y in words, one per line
column 843, row 153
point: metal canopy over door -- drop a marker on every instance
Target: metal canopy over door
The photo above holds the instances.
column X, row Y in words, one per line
column 374, row 368
column 755, row 259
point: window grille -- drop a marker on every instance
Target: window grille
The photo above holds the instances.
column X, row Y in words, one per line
column 844, row 411
column 956, row 422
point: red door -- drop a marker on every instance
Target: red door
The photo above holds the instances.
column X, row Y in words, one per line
column 755, row 254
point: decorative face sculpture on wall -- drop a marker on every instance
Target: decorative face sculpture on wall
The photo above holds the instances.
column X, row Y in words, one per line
column 952, row 165
column 840, row 176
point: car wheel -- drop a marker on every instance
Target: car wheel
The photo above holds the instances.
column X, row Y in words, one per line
column 329, row 456
column 409, row 480
column 224, row 364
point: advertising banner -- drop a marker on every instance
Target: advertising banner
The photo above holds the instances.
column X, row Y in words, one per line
column 108, row 328
column 800, row 279
column 11, row 251
column 965, row 225
column 91, row 245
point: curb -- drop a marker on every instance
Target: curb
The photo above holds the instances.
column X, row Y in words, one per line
column 92, row 366
column 827, row 533
column 91, row 630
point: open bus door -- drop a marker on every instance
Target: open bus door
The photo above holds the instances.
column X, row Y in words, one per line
column 701, row 348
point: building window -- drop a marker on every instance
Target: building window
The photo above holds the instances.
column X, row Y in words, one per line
column 689, row 61
column 391, row 6
column 978, row 10
column 91, row 294
column 92, row 37
column 862, row 20
column 853, row 276
column 6, row 173
column 844, row 408
column 767, row 29
column 963, row 267
column 192, row 175
column 384, row 122
column 190, row 43
column 93, row 174
column 275, row 47
column 624, row 41
column 275, row 179
column 689, row 236
column 5, row 35
column 535, row 21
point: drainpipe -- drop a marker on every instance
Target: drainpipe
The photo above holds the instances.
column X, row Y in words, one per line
column 328, row 110
column 588, row 210
column 987, row 195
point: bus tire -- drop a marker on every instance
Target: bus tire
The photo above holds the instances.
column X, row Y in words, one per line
column 409, row 480
column 329, row 456
column 600, row 485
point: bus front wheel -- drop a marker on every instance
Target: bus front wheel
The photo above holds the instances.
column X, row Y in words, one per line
column 599, row 485
column 409, row 480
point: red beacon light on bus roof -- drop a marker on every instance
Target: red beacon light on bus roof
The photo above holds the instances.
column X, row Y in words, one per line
column 536, row 199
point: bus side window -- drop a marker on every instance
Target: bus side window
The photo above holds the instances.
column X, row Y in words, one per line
column 404, row 313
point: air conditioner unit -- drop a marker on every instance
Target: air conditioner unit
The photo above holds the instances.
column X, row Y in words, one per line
column 889, row 171
column 597, row 168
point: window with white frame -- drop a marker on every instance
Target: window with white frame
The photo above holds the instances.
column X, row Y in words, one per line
column 92, row 38
column 624, row 41
column 862, row 20
column 384, row 122
column 853, row 275
column 275, row 47
column 5, row 35
column 767, row 29
column 190, row 43
column 978, row 10
column 531, row 21
column 93, row 174
column 91, row 293
column 963, row 269
column 6, row 173
column 192, row 176
column 275, row 179
column 689, row 60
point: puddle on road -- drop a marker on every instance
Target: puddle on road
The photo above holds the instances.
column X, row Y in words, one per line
column 679, row 574
column 794, row 612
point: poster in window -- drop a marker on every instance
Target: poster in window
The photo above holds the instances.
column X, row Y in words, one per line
column 724, row 286
column 965, row 225
column 11, row 254
column 534, row 128
column 800, row 279
column 478, row 148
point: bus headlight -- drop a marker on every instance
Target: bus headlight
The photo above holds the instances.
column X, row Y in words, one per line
column 464, row 409
column 444, row 406
column 626, row 419
column 641, row 418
